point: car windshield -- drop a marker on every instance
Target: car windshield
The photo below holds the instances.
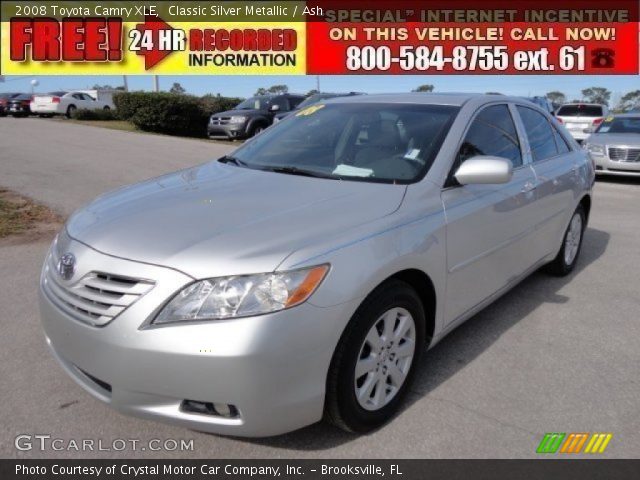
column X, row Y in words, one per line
column 372, row 142
column 620, row 125
column 254, row 103
column 580, row 111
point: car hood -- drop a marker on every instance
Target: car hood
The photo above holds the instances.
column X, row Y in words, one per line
column 230, row 113
column 217, row 219
column 629, row 139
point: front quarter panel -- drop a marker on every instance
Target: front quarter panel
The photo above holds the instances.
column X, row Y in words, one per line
column 410, row 238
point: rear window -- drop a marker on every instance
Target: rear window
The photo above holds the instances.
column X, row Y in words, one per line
column 56, row 94
column 580, row 111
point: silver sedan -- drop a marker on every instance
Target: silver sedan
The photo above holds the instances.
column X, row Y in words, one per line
column 303, row 276
column 615, row 146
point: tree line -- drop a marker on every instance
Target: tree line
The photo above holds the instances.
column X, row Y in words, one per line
column 599, row 95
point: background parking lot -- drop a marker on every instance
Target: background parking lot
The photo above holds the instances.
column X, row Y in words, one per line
column 553, row 355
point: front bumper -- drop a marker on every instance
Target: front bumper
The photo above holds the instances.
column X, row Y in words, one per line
column 229, row 131
column 272, row 368
column 604, row 165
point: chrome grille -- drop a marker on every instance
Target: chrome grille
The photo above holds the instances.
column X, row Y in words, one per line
column 96, row 298
column 219, row 120
column 624, row 154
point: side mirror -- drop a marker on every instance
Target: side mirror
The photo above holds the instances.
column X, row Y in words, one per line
column 274, row 108
column 484, row 169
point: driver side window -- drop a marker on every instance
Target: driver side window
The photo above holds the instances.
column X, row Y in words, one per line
column 492, row 133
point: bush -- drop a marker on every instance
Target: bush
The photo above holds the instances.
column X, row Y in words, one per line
column 86, row 114
column 171, row 113
column 216, row 103
column 127, row 103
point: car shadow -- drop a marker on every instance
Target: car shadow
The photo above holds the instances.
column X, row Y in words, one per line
column 617, row 179
column 461, row 346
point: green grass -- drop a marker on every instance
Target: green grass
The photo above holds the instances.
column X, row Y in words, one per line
column 122, row 125
column 126, row 126
column 19, row 214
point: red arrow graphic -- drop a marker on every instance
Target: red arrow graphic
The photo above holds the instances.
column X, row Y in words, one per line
column 153, row 55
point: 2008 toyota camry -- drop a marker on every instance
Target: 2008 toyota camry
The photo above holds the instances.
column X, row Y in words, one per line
column 302, row 277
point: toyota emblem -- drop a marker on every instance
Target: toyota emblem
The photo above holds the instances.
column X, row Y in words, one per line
column 67, row 266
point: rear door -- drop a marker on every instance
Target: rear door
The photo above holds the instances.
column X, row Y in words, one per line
column 556, row 169
column 488, row 226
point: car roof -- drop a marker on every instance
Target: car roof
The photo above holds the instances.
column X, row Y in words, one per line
column 274, row 95
column 421, row 98
column 582, row 103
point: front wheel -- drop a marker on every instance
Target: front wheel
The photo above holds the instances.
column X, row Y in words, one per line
column 375, row 361
column 567, row 257
column 256, row 130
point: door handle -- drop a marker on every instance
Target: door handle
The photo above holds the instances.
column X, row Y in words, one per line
column 529, row 187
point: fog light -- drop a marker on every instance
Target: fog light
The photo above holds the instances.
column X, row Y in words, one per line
column 223, row 409
column 208, row 408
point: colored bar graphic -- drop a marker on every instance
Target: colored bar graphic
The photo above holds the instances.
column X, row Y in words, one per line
column 574, row 442
column 598, row 443
column 550, row 442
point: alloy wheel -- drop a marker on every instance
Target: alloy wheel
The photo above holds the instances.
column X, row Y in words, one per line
column 574, row 236
column 385, row 359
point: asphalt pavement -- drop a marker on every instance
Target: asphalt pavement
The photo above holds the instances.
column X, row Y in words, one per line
column 553, row 355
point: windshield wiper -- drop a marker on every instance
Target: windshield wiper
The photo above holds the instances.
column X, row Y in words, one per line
column 233, row 160
column 300, row 171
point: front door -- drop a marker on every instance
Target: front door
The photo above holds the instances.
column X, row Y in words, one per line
column 488, row 226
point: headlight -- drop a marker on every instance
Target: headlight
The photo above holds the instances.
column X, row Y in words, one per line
column 241, row 296
column 237, row 119
column 594, row 148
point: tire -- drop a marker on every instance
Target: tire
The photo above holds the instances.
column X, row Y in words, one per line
column 567, row 257
column 106, row 108
column 353, row 404
column 256, row 129
column 70, row 110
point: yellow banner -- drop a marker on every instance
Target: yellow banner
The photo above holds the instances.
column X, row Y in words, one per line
column 198, row 48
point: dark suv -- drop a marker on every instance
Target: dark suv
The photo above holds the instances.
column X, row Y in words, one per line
column 251, row 116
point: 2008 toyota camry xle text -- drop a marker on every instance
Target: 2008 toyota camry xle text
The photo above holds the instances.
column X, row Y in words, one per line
column 302, row 276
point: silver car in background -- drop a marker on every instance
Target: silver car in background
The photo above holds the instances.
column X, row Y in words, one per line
column 303, row 276
column 615, row 146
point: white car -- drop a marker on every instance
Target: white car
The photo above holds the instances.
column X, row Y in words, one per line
column 64, row 103
column 581, row 119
